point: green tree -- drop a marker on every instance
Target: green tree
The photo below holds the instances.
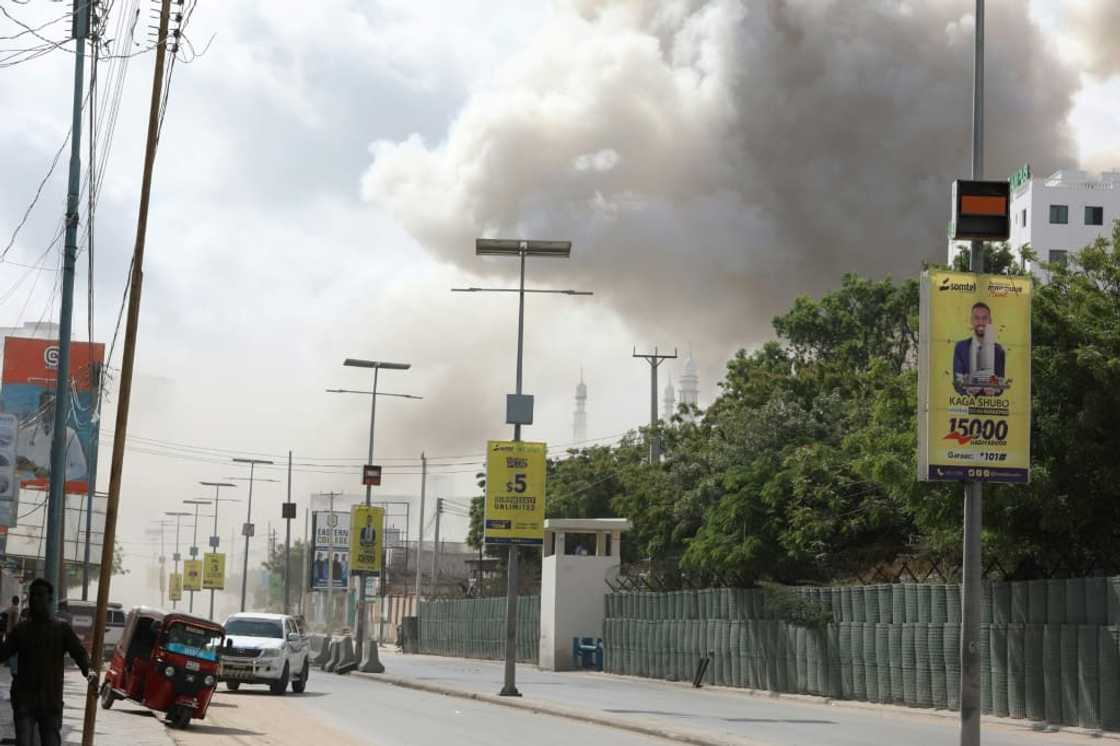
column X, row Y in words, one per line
column 74, row 569
column 275, row 564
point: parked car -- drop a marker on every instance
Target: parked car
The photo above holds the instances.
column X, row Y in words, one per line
column 266, row 649
column 81, row 615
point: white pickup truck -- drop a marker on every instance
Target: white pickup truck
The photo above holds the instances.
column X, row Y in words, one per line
column 265, row 649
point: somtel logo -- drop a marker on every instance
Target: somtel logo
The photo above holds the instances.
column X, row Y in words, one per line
column 959, row 287
column 50, row 357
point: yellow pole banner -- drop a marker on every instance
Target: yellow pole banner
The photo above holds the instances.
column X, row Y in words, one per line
column 175, row 592
column 192, row 575
column 974, row 378
column 367, row 531
column 515, row 488
column 214, row 571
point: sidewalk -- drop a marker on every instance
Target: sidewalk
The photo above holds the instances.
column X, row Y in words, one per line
column 710, row 716
column 126, row 723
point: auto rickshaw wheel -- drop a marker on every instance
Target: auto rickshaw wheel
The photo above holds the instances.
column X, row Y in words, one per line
column 233, row 686
column 107, row 696
column 179, row 717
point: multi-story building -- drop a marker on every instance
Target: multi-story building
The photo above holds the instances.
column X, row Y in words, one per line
column 1058, row 215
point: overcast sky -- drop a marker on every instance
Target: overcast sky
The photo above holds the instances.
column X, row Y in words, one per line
column 324, row 168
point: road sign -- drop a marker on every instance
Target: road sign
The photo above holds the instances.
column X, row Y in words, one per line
column 288, row 510
column 194, row 551
column 175, row 591
column 515, row 488
column 248, row 529
column 981, row 211
column 176, row 557
column 974, row 378
column 214, row 571
column 214, row 542
column 192, row 575
column 367, row 528
column 371, row 475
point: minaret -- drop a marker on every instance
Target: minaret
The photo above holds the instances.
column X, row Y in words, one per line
column 668, row 402
column 690, row 383
column 579, row 422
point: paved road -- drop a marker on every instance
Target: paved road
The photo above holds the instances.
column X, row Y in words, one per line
column 722, row 714
column 348, row 710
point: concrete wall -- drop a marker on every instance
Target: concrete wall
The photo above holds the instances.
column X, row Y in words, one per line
column 572, row 604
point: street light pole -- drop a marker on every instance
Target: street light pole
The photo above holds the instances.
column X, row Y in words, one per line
column 247, row 529
column 377, row 366
column 522, row 250
column 176, row 557
column 194, row 539
column 215, row 541
column 971, row 570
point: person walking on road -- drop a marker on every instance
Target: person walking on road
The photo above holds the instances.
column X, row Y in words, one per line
column 40, row 644
column 11, row 617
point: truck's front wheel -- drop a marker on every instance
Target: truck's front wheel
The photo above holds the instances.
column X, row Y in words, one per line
column 281, row 686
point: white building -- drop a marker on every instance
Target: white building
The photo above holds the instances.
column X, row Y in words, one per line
column 668, row 401
column 1059, row 215
column 690, row 383
column 32, row 330
column 579, row 421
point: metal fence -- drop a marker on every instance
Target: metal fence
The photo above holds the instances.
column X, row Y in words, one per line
column 475, row 628
column 1050, row 648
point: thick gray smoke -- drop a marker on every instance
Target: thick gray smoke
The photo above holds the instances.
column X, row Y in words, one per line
column 711, row 160
column 1095, row 28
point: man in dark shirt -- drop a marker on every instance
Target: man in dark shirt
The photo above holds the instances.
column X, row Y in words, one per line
column 41, row 644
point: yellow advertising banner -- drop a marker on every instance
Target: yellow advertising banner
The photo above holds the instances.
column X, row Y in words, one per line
column 367, row 529
column 192, row 575
column 214, row 571
column 974, row 378
column 515, row 486
column 175, row 591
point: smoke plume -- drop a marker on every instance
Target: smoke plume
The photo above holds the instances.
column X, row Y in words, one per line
column 711, row 160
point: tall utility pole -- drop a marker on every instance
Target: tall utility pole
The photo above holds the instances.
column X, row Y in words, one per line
column 435, row 547
column 247, row 529
column 289, row 514
column 95, row 383
column 56, row 497
column 420, row 533
column 215, row 540
column 654, row 361
column 519, row 408
column 308, row 558
column 194, row 538
column 971, row 594
column 377, row 366
column 331, row 521
column 128, row 356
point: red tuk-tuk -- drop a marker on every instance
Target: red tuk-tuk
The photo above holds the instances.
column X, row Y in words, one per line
column 167, row 662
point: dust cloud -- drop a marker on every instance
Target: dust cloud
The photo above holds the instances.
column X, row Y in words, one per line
column 711, row 160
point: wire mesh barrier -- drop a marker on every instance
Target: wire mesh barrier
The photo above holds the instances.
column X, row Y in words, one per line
column 476, row 628
column 1050, row 649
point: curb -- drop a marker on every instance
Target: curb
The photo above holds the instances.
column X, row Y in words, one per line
column 546, row 709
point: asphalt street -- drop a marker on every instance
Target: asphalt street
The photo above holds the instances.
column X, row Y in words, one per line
column 348, row 710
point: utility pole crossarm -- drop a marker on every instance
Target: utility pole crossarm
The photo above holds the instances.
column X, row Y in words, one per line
column 654, row 359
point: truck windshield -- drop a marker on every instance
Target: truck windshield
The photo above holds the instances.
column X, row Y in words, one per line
column 193, row 642
column 254, row 628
